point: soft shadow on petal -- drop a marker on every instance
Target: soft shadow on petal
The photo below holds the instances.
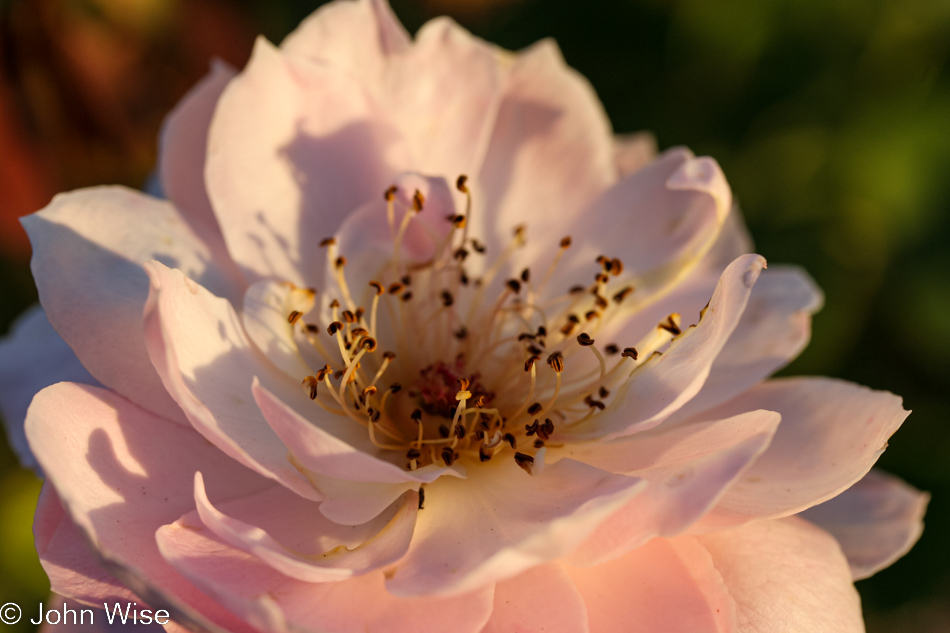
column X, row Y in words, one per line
column 786, row 575
column 295, row 146
column 121, row 473
column 632, row 152
column 876, row 521
column 666, row 586
column 271, row 601
column 831, row 434
column 50, row 361
column 207, row 364
column 304, row 545
column 182, row 152
column 88, row 251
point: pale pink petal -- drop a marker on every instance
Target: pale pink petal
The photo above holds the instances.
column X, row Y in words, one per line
column 876, row 521
column 88, row 247
column 50, row 361
column 516, row 521
column 121, row 472
column 686, row 470
column 183, row 148
column 352, row 478
column 300, row 543
column 666, row 586
column 357, row 36
column 317, row 450
column 632, row 152
column 541, row 599
column 72, row 569
column 786, row 575
column 662, row 384
column 207, row 364
column 319, row 148
column 443, row 95
column 831, row 434
column 773, row 330
column 271, row 601
column 660, row 221
column 734, row 240
column 550, row 154
column 267, row 308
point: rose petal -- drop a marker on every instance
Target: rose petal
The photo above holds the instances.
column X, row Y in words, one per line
column 773, row 330
column 271, row 601
column 831, row 434
column 183, row 148
column 50, row 361
column 121, row 472
column 319, row 148
column 550, row 154
column 443, row 95
column 632, row 152
column 357, row 36
column 541, row 599
column 666, row 586
column 88, row 247
column 207, row 364
column 298, row 526
column 64, row 553
column 876, row 521
column 661, row 385
column 519, row 520
column 786, row 575
column 687, row 470
column 267, row 307
column 660, row 221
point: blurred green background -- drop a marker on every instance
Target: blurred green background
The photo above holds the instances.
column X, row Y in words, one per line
column 831, row 120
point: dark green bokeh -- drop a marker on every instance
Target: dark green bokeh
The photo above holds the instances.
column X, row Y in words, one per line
column 832, row 123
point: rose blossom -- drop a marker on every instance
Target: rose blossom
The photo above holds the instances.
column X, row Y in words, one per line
column 416, row 345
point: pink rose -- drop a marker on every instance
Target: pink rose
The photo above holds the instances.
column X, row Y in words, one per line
column 416, row 345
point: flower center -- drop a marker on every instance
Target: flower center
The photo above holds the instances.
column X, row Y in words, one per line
column 484, row 375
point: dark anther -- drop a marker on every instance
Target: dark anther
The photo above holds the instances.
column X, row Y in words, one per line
column 443, row 430
column 612, row 349
column 422, row 497
column 531, row 429
column 556, row 361
column 525, row 336
column 312, row 328
column 514, row 285
column 378, row 287
column 327, row 241
column 616, row 267
column 395, row 387
column 459, row 431
column 460, row 183
column 334, row 327
column 603, row 392
column 584, row 339
column 406, row 296
column 368, row 343
column 294, row 316
column 623, row 294
column 542, row 331
column 478, row 247
column 447, row 298
column 416, row 415
column 534, row 349
column 528, row 364
column 576, row 290
column 460, row 254
column 311, row 381
column 461, row 333
column 390, row 193
column 395, row 288
column 630, row 352
column 484, row 453
column 526, row 462
column 566, row 241
column 534, row 409
column 538, row 443
column 512, row 442
column 418, row 201
column 340, row 261
column 448, row 456
column 525, row 275
column 348, row 316
column 413, row 453
column 670, row 325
